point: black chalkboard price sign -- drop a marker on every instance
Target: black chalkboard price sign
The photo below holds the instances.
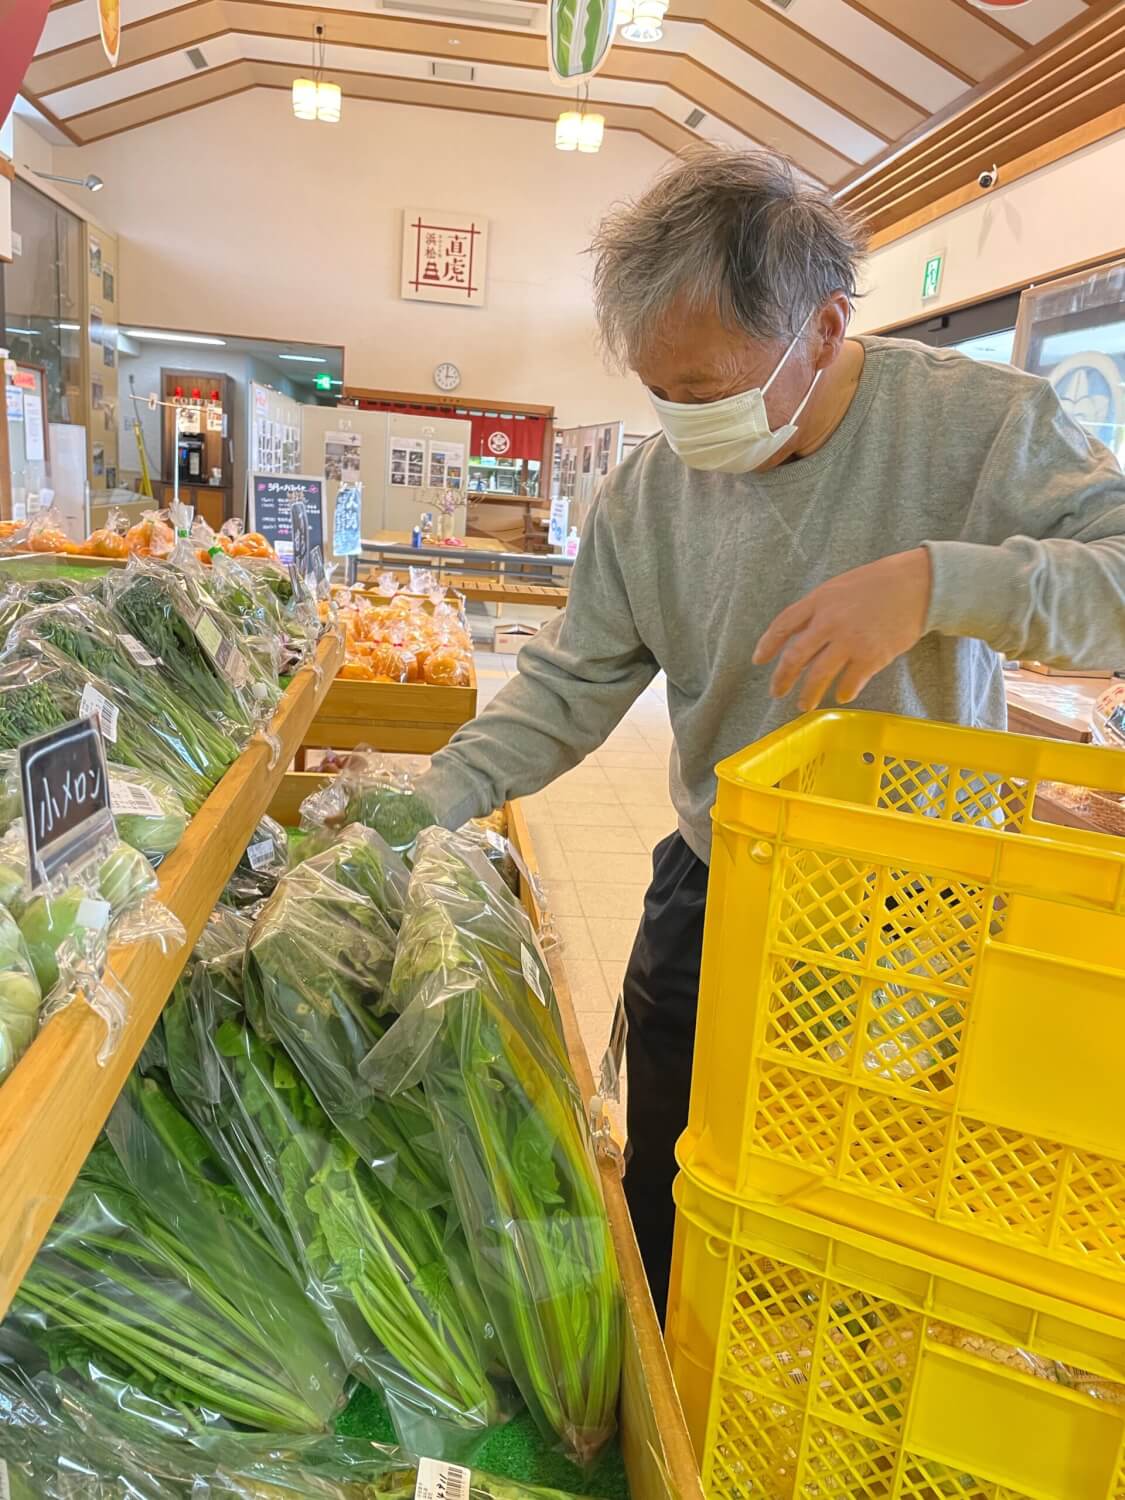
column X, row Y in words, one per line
column 272, row 498
column 65, row 797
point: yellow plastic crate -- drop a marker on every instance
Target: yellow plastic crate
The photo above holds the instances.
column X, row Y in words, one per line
column 912, row 1005
column 819, row 1363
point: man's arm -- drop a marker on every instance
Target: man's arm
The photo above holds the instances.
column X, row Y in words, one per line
column 576, row 680
column 1039, row 571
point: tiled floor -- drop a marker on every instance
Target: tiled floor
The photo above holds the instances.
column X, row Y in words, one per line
column 594, row 830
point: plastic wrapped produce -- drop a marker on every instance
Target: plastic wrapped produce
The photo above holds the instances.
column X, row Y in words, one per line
column 20, row 995
column 394, row 1278
column 152, row 1272
column 200, row 654
column 264, row 861
column 318, row 963
column 148, row 811
column 479, row 1029
column 368, row 791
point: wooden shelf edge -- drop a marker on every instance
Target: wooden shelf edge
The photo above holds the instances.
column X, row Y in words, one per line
column 58, row 1097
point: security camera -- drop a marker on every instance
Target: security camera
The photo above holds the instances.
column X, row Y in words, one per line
column 988, row 178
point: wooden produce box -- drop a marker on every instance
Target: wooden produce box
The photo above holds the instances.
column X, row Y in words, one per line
column 654, row 1441
column 412, row 718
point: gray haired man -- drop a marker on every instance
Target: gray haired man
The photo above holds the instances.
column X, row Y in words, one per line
column 821, row 515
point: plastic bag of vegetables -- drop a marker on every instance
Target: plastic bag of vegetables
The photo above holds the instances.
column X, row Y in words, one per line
column 370, row 792
column 394, row 1279
column 264, row 861
column 479, row 1028
column 194, row 752
column 318, row 963
column 20, row 995
column 201, row 656
column 155, row 1272
column 253, row 609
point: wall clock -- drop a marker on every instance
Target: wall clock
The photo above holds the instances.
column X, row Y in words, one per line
column 447, row 377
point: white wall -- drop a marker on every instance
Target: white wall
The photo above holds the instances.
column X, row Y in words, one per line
column 284, row 229
column 1070, row 211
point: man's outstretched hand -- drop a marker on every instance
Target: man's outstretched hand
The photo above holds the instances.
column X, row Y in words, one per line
column 849, row 628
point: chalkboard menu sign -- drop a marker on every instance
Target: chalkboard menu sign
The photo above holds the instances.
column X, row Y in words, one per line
column 272, row 497
column 65, row 797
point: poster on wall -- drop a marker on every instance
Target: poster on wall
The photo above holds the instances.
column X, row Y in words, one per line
column 346, row 520
column 214, row 419
column 445, row 465
column 443, row 256
column 95, row 257
column 109, row 353
column 98, row 456
column 406, row 462
column 108, row 282
column 587, row 458
column 96, row 323
column 341, row 457
column 33, row 428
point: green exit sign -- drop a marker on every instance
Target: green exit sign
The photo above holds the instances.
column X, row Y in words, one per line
column 324, row 382
column 931, row 278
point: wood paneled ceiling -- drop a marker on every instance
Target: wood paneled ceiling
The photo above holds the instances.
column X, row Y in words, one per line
column 844, row 87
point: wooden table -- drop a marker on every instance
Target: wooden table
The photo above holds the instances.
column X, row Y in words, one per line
column 498, row 588
column 466, row 544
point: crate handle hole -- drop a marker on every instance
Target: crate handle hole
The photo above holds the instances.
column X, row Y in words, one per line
column 868, row 758
column 716, row 1246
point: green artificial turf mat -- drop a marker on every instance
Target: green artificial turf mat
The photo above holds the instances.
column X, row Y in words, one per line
column 515, row 1451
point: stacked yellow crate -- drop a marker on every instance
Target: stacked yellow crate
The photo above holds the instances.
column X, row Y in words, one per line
column 900, row 1255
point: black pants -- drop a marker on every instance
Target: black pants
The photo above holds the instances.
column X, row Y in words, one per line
column 661, row 991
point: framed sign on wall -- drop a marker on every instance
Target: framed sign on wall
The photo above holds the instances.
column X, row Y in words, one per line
column 444, row 257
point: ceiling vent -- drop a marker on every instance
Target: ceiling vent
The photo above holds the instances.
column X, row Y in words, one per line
column 195, row 56
column 453, row 72
column 498, row 12
column 695, row 119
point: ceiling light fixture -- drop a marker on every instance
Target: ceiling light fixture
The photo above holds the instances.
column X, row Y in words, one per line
column 170, row 338
column 314, row 98
column 579, row 130
column 640, row 20
column 308, row 359
column 91, row 183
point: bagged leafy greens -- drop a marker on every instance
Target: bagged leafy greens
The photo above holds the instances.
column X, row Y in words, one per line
column 201, row 655
column 393, row 1276
column 149, row 812
column 318, row 963
column 195, row 753
column 479, row 1028
column 155, row 1272
column 66, row 1439
column 367, row 791
column 264, row 861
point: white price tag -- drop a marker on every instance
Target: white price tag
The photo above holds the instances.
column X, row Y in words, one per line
column 231, row 663
column 97, row 706
column 137, row 651
column 92, row 914
column 260, row 854
column 208, row 634
column 126, row 798
column 442, row 1481
column 531, row 973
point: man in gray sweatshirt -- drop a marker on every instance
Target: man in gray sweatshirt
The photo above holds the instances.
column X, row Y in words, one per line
column 821, row 516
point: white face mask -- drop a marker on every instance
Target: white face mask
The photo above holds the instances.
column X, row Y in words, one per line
column 731, row 436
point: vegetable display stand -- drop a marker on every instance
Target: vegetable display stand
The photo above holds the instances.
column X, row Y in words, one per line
column 56, row 1100
column 816, row 1361
column 911, row 998
column 405, row 717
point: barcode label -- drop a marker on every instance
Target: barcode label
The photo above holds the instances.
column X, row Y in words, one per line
column 260, row 855
column 140, row 654
column 95, row 705
column 531, row 973
column 231, row 662
column 5, row 1487
column 208, row 634
column 126, row 798
column 442, row 1481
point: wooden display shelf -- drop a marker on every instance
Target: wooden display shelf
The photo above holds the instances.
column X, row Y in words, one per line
column 654, row 1439
column 58, row 1097
column 410, row 718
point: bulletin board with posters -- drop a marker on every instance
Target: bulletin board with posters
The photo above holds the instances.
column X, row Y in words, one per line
column 28, row 436
column 102, row 388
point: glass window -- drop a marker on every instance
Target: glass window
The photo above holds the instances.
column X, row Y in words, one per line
column 994, row 347
column 43, row 299
column 987, row 330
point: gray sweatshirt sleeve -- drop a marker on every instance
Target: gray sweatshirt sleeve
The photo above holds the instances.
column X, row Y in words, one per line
column 576, row 680
column 1039, row 568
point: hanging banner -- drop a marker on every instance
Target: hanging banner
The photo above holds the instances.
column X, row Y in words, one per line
column 579, row 33
column 109, row 24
